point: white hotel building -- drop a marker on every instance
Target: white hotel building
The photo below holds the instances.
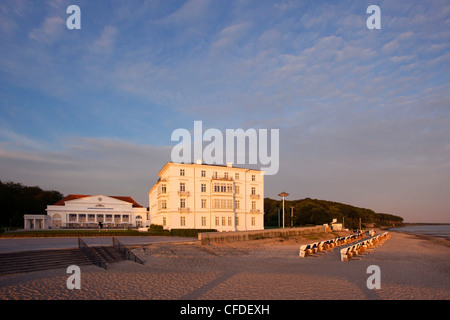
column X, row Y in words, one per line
column 202, row 196
column 88, row 211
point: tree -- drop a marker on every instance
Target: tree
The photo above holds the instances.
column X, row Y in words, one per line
column 16, row 200
column 318, row 212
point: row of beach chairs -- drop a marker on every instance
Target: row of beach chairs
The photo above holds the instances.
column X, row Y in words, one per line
column 363, row 247
column 317, row 247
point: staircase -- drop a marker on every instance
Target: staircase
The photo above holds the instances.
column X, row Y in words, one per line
column 28, row 261
column 108, row 254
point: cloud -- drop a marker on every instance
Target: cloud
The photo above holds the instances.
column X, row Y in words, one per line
column 105, row 43
column 363, row 115
column 49, row 31
column 228, row 36
column 88, row 165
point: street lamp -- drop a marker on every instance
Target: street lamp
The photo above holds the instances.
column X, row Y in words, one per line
column 283, row 194
column 292, row 216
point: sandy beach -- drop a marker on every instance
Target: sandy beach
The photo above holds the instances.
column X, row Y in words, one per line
column 411, row 268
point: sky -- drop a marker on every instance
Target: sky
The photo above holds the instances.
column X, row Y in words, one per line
column 363, row 114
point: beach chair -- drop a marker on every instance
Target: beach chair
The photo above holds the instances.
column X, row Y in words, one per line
column 360, row 248
column 353, row 250
column 303, row 251
column 306, row 250
column 321, row 246
column 332, row 243
column 345, row 254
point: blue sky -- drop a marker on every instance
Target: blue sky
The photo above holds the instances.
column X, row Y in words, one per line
column 364, row 115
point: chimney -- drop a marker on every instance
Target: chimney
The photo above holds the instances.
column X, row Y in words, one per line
column 229, row 164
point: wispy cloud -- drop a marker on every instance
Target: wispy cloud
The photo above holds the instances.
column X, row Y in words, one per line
column 88, row 165
column 353, row 105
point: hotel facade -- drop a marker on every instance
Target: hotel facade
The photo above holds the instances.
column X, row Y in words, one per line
column 90, row 211
column 202, row 196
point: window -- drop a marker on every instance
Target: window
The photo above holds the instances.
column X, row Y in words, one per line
column 253, row 205
column 164, row 221
column 203, row 221
column 163, row 204
column 237, row 204
column 216, row 221
column 230, row 221
column 183, row 221
column 203, row 173
column 253, row 177
column 223, row 203
column 214, row 175
column 236, row 189
column 182, row 186
column 223, row 221
column 253, row 190
column 203, row 187
column 253, row 221
column 182, row 203
column 225, row 175
column 182, row 172
column 237, row 221
column 203, row 203
column 163, row 188
column 223, row 187
column 236, row 176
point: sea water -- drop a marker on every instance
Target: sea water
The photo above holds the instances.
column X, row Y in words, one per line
column 435, row 230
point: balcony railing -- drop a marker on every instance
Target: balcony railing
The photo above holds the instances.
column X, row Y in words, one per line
column 254, row 196
column 184, row 210
column 183, row 193
column 254, row 211
column 217, row 177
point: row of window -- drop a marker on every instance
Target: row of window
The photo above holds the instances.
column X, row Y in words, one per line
column 218, row 221
column 217, row 187
column 215, row 176
column 96, row 217
column 217, row 204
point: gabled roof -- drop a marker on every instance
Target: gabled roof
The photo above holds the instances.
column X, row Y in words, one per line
column 79, row 196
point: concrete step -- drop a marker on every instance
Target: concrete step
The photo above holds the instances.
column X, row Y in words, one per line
column 41, row 260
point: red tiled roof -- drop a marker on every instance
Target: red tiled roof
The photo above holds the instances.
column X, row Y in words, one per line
column 79, row 196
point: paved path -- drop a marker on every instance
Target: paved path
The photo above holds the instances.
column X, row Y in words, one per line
column 27, row 244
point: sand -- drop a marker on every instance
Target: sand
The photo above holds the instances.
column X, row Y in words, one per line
column 411, row 268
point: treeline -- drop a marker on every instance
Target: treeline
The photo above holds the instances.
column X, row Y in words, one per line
column 317, row 212
column 17, row 200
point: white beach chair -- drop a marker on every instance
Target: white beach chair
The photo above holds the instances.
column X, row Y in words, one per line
column 306, row 250
column 303, row 251
column 345, row 254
